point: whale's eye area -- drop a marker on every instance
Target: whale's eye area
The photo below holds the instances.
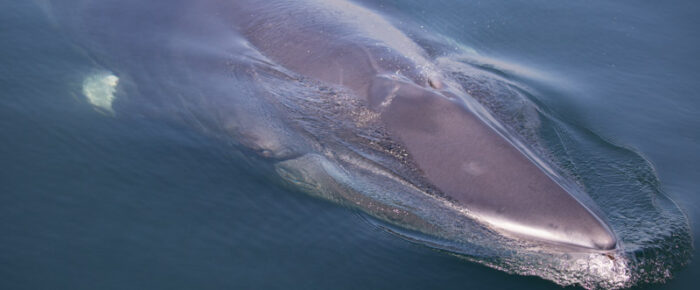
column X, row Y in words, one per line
column 435, row 83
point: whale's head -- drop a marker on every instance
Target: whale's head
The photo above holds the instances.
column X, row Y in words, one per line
column 481, row 170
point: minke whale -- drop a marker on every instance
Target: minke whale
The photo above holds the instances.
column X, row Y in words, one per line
column 446, row 148
column 457, row 152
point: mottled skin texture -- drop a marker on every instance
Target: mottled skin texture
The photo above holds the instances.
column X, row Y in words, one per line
column 457, row 152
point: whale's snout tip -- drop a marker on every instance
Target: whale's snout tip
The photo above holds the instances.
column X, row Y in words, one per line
column 605, row 240
column 593, row 235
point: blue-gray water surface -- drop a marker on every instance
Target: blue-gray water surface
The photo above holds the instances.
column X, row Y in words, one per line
column 91, row 201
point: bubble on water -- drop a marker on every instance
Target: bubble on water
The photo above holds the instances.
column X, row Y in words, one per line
column 99, row 89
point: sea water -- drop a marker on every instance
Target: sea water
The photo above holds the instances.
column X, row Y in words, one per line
column 87, row 200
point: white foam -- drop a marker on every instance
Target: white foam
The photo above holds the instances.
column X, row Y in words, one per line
column 99, row 89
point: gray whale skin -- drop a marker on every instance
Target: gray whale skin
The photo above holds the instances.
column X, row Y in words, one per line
column 345, row 45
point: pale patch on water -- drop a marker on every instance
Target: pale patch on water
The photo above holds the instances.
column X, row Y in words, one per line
column 99, row 89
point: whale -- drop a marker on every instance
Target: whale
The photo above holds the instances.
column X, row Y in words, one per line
column 441, row 148
column 456, row 151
